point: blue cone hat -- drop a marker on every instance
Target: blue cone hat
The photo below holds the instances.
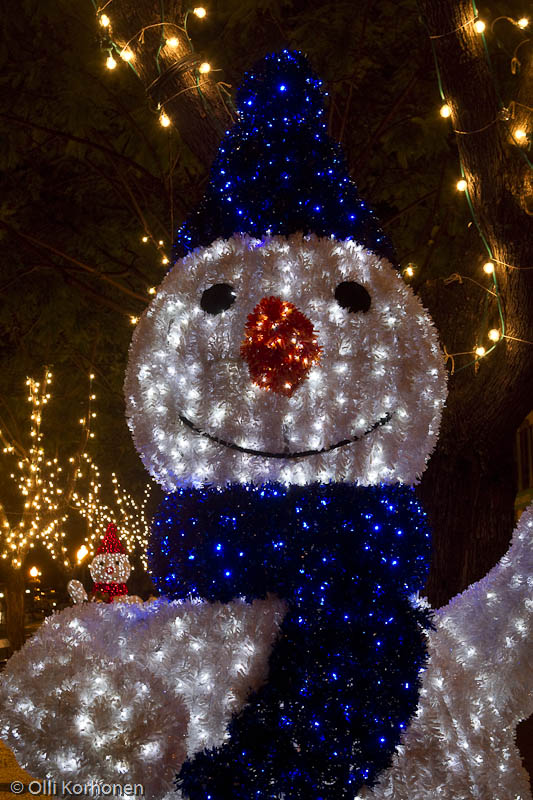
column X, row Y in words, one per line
column 278, row 171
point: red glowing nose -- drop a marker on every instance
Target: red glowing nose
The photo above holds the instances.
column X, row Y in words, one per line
column 280, row 346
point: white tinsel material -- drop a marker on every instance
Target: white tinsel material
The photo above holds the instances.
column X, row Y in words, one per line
column 477, row 687
column 184, row 361
column 119, row 693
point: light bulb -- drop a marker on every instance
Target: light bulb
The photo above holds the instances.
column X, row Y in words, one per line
column 480, row 351
column 461, row 185
column 164, row 120
column 200, row 12
column 164, row 260
column 110, row 63
column 104, row 20
column 126, row 54
column 34, row 572
column 134, row 320
column 445, row 110
column 144, row 239
column 204, row 68
column 409, row 271
column 494, row 335
column 523, row 22
column 488, row 267
column 172, row 42
column 520, row 134
column 479, row 26
column 151, row 290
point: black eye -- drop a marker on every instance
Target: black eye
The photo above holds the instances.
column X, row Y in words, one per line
column 217, row 298
column 352, row 296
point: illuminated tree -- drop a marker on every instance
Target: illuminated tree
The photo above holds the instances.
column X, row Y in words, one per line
column 38, row 509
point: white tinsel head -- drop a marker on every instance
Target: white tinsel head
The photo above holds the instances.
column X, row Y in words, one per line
column 110, row 568
column 367, row 411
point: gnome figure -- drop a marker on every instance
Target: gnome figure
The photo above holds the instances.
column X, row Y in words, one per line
column 110, row 568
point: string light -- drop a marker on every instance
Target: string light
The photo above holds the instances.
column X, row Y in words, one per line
column 204, row 68
column 445, row 110
column 134, row 320
column 523, row 22
column 172, row 42
column 104, row 20
column 480, row 351
column 81, row 553
column 488, row 267
column 152, row 290
column 110, row 62
column 164, row 120
column 126, row 54
column 461, row 185
column 479, row 26
column 520, row 135
column 144, row 239
column 494, row 335
column 200, row 12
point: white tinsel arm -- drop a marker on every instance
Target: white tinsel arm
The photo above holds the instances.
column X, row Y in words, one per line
column 493, row 623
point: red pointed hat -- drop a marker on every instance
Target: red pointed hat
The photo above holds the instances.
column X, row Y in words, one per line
column 111, row 543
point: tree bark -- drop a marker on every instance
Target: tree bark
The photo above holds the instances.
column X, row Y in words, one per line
column 15, row 608
column 469, row 487
column 196, row 104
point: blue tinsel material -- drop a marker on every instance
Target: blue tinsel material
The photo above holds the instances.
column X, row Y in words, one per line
column 343, row 675
column 277, row 171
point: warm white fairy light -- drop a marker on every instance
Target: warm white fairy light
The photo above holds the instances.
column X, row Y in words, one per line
column 480, row 351
column 494, row 335
column 461, row 185
column 523, row 22
column 172, row 42
column 488, row 267
column 520, row 135
column 200, row 12
column 126, row 54
column 110, row 62
column 104, row 20
column 45, row 485
column 204, row 68
column 445, row 110
column 479, row 26
column 164, row 120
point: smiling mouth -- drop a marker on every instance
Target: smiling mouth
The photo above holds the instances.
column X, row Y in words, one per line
column 301, row 454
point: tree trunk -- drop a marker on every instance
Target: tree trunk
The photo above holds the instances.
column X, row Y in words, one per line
column 469, row 487
column 15, row 608
column 200, row 109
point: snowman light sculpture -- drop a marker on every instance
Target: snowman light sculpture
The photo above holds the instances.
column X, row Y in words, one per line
column 285, row 386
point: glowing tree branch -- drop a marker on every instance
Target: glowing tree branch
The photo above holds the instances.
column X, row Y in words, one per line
column 129, row 516
column 44, row 485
